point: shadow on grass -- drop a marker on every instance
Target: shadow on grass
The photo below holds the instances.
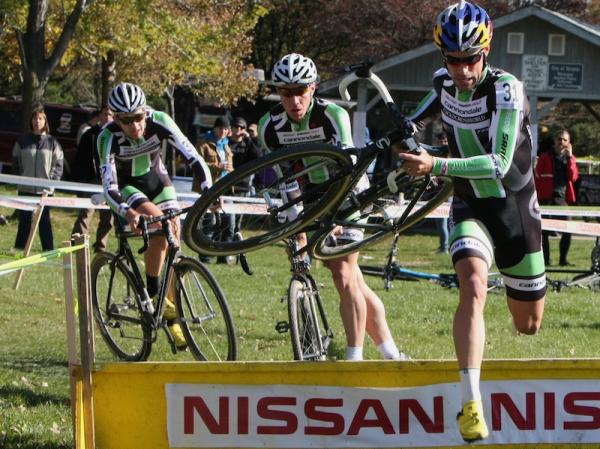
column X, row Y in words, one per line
column 591, row 326
column 25, row 442
column 17, row 394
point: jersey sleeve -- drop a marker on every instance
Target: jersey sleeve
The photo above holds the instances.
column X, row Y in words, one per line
column 340, row 120
column 179, row 141
column 108, row 174
column 505, row 125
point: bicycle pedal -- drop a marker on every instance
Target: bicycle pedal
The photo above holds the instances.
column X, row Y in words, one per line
column 282, row 327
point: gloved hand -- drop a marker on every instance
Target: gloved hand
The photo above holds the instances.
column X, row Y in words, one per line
column 290, row 214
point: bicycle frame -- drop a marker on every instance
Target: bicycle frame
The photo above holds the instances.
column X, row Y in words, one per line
column 152, row 315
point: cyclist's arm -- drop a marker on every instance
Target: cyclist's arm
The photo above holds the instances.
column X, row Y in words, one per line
column 184, row 146
column 340, row 120
column 108, row 173
column 505, row 126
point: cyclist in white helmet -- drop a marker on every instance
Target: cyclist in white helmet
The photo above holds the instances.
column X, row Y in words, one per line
column 134, row 179
column 495, row 212
column 302, row 117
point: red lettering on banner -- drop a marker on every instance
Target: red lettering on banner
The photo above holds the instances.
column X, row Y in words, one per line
column 526, row 422
column 289, row 418
column 311, row 410
column 549, row 411
column 571, row 406
column 361, row 421
column 192, row 403
column 242, row 415
column 408, row 405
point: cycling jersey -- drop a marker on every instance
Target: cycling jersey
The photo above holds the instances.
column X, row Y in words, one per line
column 495, row 210
column 488, row 133
column 133, row 170
column 323, row 122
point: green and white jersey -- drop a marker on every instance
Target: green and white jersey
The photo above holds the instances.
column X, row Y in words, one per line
column 137, row 163
column 324, row 122
column 488, row 133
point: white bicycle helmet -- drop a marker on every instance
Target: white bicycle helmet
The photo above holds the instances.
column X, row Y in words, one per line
column 126, row 98
column 294, row 69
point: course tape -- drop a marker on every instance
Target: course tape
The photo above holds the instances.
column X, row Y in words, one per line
column 9, row 267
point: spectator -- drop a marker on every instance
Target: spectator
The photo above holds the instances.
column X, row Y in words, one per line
column 94, row 120
column 253, row 131
column 37, row 154
column 442, row 223
column 555, row 173
column 244, row 149
column 219, row 158
column 87, row 169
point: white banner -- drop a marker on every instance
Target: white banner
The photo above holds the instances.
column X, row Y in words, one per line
column 299, row 416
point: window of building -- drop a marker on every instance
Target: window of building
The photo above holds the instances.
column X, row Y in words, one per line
column 515, row 43
column 556, row 44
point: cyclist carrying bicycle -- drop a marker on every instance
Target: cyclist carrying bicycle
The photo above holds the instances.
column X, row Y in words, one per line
column 302, row 117
column 495, row 212
column 134, row 179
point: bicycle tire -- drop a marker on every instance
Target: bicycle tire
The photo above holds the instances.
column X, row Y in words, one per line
column 116, row 306
column 371, row 206
column 203, row 311
column 305, row 333
column 262, row 230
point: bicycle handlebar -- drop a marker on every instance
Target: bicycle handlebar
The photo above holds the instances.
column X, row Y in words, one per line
column 363, row 71
column 145, row 221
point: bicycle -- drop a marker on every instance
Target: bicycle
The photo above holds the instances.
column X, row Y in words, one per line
column 328, row 177
column 307, row 323
column 583, row 278
column 129, row 320
column 394, row 270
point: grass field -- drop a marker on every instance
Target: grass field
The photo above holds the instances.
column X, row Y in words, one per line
column 34, row 391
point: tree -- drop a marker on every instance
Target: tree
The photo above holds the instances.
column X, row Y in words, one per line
column 36, row 65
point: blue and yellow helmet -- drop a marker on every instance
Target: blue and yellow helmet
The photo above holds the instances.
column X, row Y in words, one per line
column 463, row 27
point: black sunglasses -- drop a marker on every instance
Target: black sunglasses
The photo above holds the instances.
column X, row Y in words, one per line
column 129, row 119
column 467, row 60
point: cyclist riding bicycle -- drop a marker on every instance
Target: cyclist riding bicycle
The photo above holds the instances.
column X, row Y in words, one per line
column 134, row 179
column 495, row 212
column 301, row 117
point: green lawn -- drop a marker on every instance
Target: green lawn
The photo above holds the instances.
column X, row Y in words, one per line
column 34, row 391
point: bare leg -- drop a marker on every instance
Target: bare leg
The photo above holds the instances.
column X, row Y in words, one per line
column 527, row 315
column 353, row 306
column 469, row 325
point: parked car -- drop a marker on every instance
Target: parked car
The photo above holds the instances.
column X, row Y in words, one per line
column 64, row 123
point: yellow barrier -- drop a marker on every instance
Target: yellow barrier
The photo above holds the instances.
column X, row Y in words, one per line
column 341, row 404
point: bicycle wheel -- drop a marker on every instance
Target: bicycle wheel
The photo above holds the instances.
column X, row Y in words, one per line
column 203, row 311
column 300, row 164
column 116, row 306
column 375, row 213
column 305, row 331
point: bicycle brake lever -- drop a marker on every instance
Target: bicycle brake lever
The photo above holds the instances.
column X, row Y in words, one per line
column 143, row 225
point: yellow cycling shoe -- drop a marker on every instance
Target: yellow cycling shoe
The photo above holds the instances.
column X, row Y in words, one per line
column 170, row 312
column 178, row 337
column 471, row 422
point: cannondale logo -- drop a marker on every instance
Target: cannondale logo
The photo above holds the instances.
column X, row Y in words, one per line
column 383, row 143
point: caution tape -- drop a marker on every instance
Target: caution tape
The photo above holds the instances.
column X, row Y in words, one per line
column 9, row 267
column 571, row 227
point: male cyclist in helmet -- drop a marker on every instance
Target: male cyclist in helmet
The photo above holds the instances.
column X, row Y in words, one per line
column 135, row 180
column 301, row 117
column 495, row 213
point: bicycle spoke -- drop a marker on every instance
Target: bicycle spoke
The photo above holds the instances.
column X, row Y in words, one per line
column 202, row 308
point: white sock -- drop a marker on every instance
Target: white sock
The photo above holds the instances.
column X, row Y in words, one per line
column 469, row 384
column 389, row 350
column 354, row 353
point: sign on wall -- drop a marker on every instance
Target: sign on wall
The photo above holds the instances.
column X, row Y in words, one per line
column 565, row 76
column 534, row 72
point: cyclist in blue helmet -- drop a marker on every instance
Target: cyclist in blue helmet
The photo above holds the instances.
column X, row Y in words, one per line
column 495, row 213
